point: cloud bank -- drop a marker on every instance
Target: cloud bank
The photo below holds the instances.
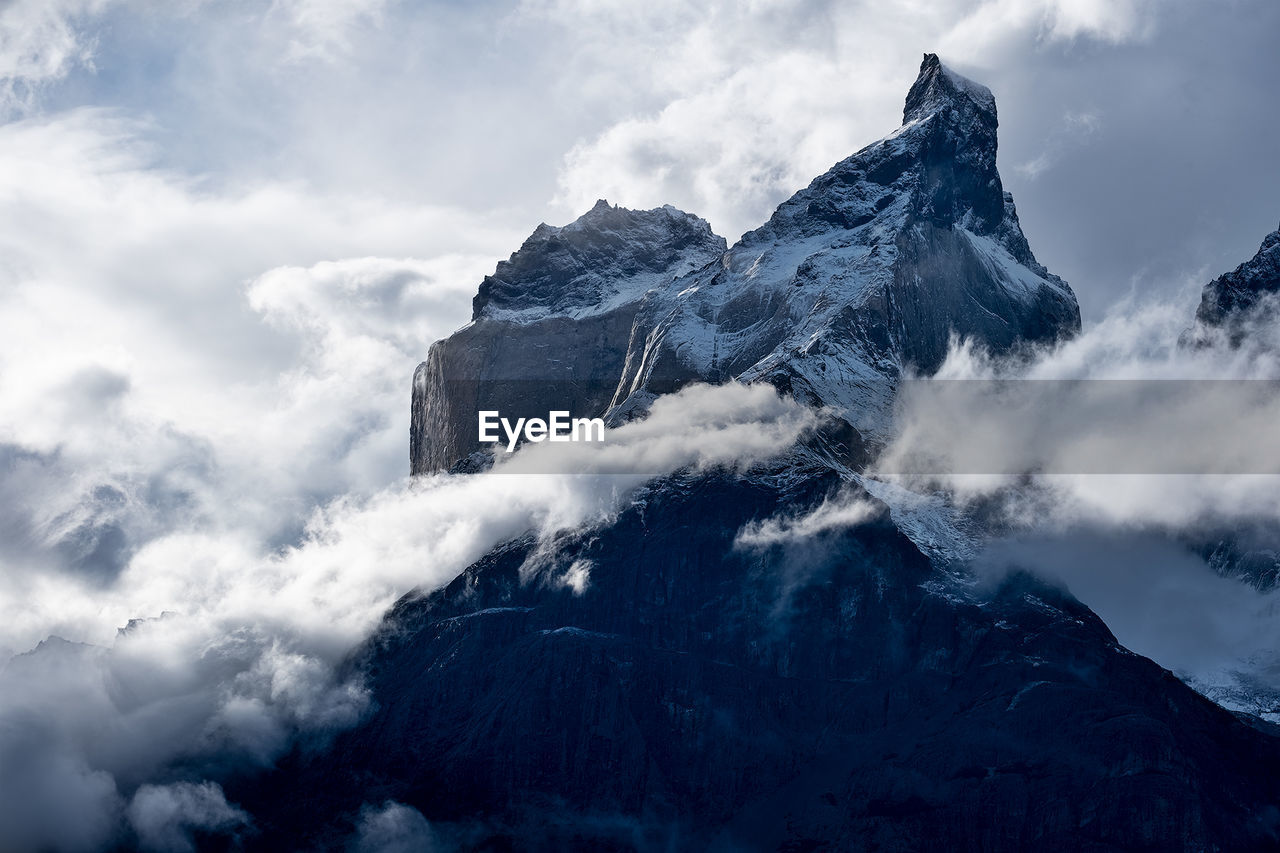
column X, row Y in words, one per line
column 240, row 656
column 1137, row 394
column 1079, row 473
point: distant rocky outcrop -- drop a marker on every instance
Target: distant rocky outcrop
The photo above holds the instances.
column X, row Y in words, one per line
column 1233, row 295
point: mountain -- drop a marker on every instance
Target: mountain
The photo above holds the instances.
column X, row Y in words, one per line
column 549, row 327
column 1239, row 307
column 870, row 269
column 855, row 689
column 1234, row 295
column 834, row 694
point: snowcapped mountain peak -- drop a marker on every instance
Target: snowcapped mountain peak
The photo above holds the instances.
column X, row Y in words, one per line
column 939, row 88
column 869, row 270
column 606, row 257
column 1235, row 296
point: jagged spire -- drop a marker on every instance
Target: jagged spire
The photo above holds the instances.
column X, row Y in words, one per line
column 1231, row 297
column 937, row 86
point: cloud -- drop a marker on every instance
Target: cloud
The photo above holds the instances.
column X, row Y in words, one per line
column 40, row 43
column 741, row 123
column 990, row 24
column 1168, row 428
column 324, row 27
column 832, row 514
column 186, row 379
column 1161, row 601
column 239, row 658
column 393, row 828
column 164, row 817
column 136, row 360
column 700, row 425
column 44, row 41
column 178, row 362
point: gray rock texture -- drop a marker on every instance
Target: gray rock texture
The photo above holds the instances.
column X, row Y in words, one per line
column 871, row 269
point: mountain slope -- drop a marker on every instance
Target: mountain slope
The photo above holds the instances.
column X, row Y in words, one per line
column 836, row 693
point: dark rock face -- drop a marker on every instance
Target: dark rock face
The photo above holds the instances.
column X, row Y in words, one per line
column 1250, row 554
column 550, row 326
column 519, row 369
column 835, row 694
column 871, row 268
column 1233, row 295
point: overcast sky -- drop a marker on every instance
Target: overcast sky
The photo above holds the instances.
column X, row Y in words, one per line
column 1137, row 137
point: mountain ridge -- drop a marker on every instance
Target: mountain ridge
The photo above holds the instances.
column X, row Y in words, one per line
column 869, row 270
column 1231, row 296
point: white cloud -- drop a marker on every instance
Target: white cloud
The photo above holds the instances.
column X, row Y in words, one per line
column 393, row 828
column 832, row 514
column 244, row 659
column 164, row 816
column 43, row 41
column 40, row 43
column 700, row 425
column 324, row 27
column 1133, row 448
column 735, row 123
column 992, row 24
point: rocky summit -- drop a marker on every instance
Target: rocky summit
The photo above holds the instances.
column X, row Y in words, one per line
column 1232, row 296
column 856, row 689
column 869, row 270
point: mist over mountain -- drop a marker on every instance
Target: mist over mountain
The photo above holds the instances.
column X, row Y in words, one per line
column 784, row 654
column 231, row 622
column 1230, row 299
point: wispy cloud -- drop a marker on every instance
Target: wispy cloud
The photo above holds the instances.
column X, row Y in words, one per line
column 41, row 41
column 1074, row 130
column 832, row 514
